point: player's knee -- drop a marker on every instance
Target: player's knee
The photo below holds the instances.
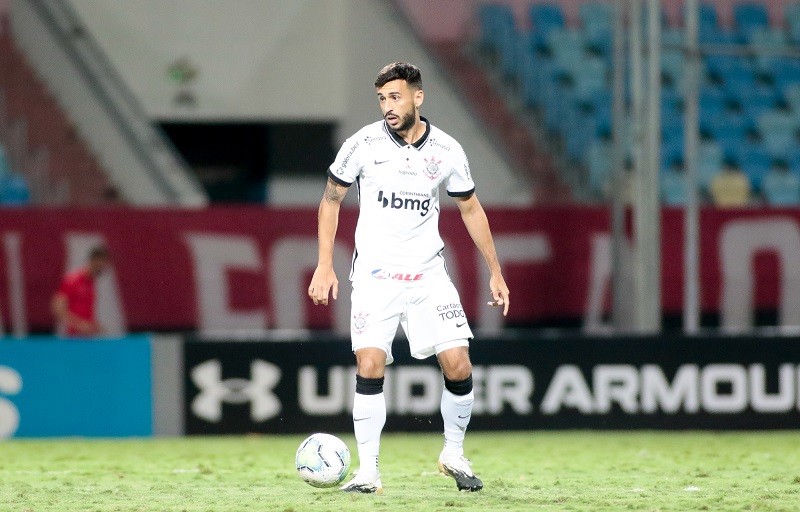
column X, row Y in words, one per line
column 460, row 387
column 458, row 370
column 371, row 365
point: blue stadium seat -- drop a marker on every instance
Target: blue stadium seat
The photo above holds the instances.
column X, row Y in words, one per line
column 568, row 48
column 778, row 131
column 749, row 17
column 755, row 100
column 767, row 42
column 784, row 71
column 14, row 190
column 545, row 18
column 597, row 21
column 494, row 20
column 589, row 78
column 792, row 19
column 791, row 94
column 754, row 161
column 673, row 186
column 719, row 36
column 709, row 163
column 781, row 187
column 599, row 165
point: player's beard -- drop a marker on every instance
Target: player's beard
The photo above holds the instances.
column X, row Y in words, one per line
column 407, row 122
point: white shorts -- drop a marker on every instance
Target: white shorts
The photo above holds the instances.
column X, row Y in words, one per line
column 430, row 313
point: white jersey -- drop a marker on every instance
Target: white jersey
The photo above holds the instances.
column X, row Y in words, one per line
column 397, row 236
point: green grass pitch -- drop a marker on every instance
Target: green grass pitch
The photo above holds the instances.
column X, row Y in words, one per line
column 521, row 471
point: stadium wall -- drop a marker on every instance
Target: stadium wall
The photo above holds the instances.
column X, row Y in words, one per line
column 270, row 60
column 247, row 268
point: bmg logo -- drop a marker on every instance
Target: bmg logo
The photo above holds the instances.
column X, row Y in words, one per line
column 407, row 203
column 10, row 384
column 214, row 391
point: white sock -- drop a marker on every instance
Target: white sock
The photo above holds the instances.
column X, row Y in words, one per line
column 456, row 413
column 369, row 416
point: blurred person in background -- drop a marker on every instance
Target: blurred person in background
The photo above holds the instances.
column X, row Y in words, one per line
column 398, row 271
column 73, row 304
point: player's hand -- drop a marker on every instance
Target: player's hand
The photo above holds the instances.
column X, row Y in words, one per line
column 323, row 284
column 499, row 293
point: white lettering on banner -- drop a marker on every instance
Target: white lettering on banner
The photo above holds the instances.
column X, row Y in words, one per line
column 567, row 389
column 213, row 255
column 108, row 300
column 765, row 402
column 600, row 283
column 214, row 391
column 12, row 242
column 308, row 384
column 657, row 392
column 616, row 384
column 740, row 241
column 292, row 258
column 715, row 388
column 418, row 390
column 516, row 248
column 10, row 384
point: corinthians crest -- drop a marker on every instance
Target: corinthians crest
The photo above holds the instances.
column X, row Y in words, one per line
column 432, row 168
column 360, row 323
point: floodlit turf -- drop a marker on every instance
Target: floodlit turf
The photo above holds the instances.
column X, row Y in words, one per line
column 521, row 471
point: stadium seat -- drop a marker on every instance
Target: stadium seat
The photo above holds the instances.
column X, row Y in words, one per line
column 754, row 161
column 673, row 186
column 784, row 71
column 599, row 165
column 14, row 190
column 709, row 163
column 590, row 78
column 597, row 22
column 719, row 36
column 567, row 47
column 494, row 20
column 781, row 187
column 778, row 131
column 672, row 38
column 792, row 19
column 749, row 17
column 754, row 100
column 545, row 18
column 672, row 66
column 767, row 42
column 791, row 94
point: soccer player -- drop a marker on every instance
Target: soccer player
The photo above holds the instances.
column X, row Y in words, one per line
column 73, row 303
column 398, row 272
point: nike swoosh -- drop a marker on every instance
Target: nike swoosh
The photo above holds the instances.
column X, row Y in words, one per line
column 362, row 419
column 461, row 325
column 381, row 162
column 463, row 417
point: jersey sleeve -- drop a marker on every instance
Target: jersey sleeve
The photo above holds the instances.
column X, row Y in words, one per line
column 459, row 181
column 345, row 168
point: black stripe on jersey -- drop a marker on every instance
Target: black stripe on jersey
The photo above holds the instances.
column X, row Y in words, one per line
column 417, row 143
column 337, row 179
column 467, row 193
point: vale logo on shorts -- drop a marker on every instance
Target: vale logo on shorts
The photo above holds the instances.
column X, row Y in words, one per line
column 406, row 201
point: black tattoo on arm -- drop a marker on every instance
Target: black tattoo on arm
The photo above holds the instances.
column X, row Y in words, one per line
column 332, row 193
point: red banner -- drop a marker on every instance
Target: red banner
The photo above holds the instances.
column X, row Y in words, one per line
column 248, row 268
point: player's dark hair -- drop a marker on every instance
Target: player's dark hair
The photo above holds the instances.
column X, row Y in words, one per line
column 99, row 252
column 400, row 71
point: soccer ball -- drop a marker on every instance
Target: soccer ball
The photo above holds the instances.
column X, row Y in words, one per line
column 322, row 460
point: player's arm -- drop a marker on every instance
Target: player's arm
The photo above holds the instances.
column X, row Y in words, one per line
column 478, row 227
column 324, row 281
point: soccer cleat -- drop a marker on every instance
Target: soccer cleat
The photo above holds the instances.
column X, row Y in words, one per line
column 363, row 485
column 458, row 467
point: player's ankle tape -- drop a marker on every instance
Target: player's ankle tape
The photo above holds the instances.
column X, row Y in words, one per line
column 459, row 387
column 365, row 386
